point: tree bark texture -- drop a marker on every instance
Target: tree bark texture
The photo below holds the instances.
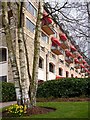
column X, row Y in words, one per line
column 22, row 55
column 34, row 81
column 12, row 56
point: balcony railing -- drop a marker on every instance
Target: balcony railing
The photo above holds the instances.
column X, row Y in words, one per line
column 48, row 29
column 69, row 60
column 80, row 60
column 77, row 66
column 64, row 44
column 47, row 26
column 57, row 50
column 82, row 70
column 74, row 53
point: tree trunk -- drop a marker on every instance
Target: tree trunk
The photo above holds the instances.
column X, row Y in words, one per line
column 12, row 56
column 22, row 55
column 34, row 81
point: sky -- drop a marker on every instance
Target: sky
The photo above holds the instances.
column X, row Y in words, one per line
column 70, row 1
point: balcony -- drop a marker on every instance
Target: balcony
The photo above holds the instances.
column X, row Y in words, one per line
column 86, row 65
column 56, row 46
column 84, row 62
column 69, row 60
column 64, row 44
column 80, row 58
column 68, row 57
column 73, row 50
column 77, row 66
column 48, row 29
column 57, row 50
column 74, row 54
column 82, row 70
column 47, row 25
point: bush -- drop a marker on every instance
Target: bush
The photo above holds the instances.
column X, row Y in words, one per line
column 7, row 91
column 66, row 87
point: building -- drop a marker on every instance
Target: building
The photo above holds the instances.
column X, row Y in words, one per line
column 59, row 55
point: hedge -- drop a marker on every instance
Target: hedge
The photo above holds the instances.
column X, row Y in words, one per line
column 66, row 87
column 7, row 91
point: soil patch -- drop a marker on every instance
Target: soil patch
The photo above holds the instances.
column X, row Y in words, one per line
column 39, row 110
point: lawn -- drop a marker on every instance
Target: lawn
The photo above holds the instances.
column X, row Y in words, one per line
column 63, row 110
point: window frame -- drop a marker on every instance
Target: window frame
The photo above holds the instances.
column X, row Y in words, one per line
column 45, row 38
column 61, row 71
column 55, row 33
column 67, row 74
column 30, row 25
column 31, row 9
column 41, row 63
column 51, row 68
column 4, row 61
column 3, row 78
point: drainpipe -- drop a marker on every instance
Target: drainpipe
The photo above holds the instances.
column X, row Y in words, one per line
column 47, row 61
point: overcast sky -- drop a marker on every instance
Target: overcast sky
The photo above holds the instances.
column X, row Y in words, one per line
column 70, row 1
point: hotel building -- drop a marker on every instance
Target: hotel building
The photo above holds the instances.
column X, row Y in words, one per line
column 60, row 57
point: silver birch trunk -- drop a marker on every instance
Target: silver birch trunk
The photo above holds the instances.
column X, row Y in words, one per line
column 23, row 71
column 34, row 81
column 12, row 56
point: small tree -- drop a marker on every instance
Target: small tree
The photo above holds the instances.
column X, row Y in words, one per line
column 19, row 69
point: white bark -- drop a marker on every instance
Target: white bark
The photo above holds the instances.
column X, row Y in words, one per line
column 12, row 56
column 22, row 57
column 34, row 81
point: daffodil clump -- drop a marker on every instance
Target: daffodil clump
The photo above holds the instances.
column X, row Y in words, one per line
column 17, row 110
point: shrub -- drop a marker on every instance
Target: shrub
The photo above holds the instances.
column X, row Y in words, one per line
column 7, row 92
column 66, row 87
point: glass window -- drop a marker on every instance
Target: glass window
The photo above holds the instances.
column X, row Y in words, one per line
column 0, row 5
column 60, row 71
column 3, row 78
column 51, row 67
column 31, row 9
column 67, row 74
column 41, row 62
column 55, row 33
column 71, row 75
column 45, row 38
column 3, row 54
column 30, row 25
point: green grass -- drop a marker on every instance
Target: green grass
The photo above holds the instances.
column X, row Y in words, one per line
column 63, row 110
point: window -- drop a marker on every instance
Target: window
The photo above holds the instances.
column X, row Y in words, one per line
column 61, row 61
column 3, row 54
column 51, row 67
column 3, row 78
column 71, row 75
column 67, row 65
column 67, row 74
column 31, row 9
column 30, row 25
column 43, row 49
column 45, row 38
column 0, row 5
column 71, row 68
column 53, row 56
column 60, row 71
column 41, row 62
column 55, row 33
